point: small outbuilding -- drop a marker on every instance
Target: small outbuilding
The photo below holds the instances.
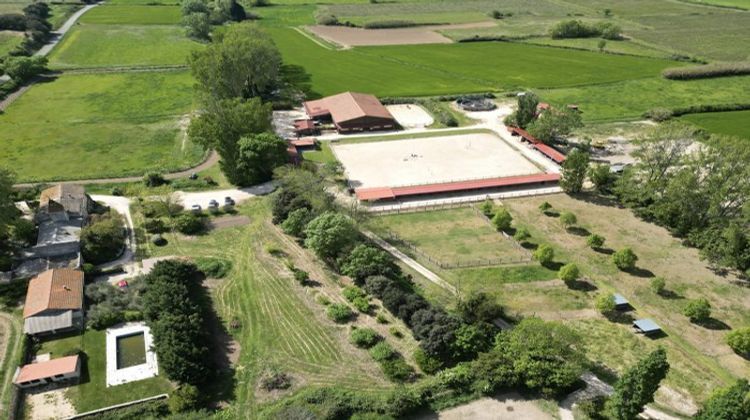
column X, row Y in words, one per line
column 621, row 303
column 351, row 112
column 52, row 371
column 646, row 326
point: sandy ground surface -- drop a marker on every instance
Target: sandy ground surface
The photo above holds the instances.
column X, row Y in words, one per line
column 352, row 37
column 48, row 404
column 509, row 406
column 430, row 160
column 188, row 199
column 410, row 115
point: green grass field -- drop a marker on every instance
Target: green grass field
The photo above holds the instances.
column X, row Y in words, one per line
column 630, row 99
column 735, row 123
column 107, row 125
column 451, row 68
column 133, row 15
column 450, row 235
column 282, row 326
column 8, row 41
column 92, row 392
column 121, row 45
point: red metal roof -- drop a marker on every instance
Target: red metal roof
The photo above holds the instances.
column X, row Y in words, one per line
column 380, row 193
column 48, row 369
column 550, row 152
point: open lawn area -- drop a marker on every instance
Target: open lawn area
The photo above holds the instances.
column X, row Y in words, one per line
column 133, row 15
column 282, row 324
column 451, row 236
column 122, row 45
column 452, row 68
column 700, row 359
column 9, row 40
column 106, row 125
column 735, row 123
column 628, row 100
column 92, row 392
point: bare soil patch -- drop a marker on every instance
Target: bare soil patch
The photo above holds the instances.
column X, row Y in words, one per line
column 509, row 406
column 44, row 404
column 353, row 37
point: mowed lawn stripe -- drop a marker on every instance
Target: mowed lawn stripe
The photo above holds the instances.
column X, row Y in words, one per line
column 421, row 70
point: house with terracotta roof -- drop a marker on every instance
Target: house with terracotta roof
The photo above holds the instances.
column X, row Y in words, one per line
column 54, row 302
column 351, row 112
column 50, row 371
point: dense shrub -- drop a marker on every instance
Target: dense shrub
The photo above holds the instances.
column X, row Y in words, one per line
column 365, row 261
column 329, row 234
column 103, row 316
column 739, row 340
column 625, row 259
column 362, row 305
column 579, row 29
column 502, row 219
column 327, row 20
column 569, row 273
column 659, row 114
column 730, row 403
column 698, row 310
column 22, row 69
column 442, row 115
column 396, row 369
column 275, row 379
column 154, row 225
column 382, row 351
column 296, row 222
column 657, row 285
column 154, row 179
column 353, row 292
column 189, row 224
column 103, row 239
column 213, row 267
column 301, row 276
column 364, row 337
column 544, row 254
column 185, row 398
column 522, row 234
column 339, row 312
column 595, row 241
column 427, row 363
column 568, row 219
column 386, row 24
column 707, row 71
column 605, row 304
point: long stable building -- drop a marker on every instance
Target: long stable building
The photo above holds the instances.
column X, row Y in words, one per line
column 351, row 112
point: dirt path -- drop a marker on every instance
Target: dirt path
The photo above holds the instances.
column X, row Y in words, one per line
column 508, row 406
column 211, row 160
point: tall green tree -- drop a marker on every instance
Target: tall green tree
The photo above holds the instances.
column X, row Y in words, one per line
column 243, row 63
column 329, row 234
column 637, row 386
column 259, row 155
column 222, row 125
column 574, row 171
column 731, row 403
column 554, row 125
column 526, row 112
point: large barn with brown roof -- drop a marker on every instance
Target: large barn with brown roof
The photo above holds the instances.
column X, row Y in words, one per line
column 54, row 302
column 352, row 112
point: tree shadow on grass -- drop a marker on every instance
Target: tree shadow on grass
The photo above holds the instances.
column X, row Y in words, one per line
column 581, row 285
column 714, row 324
column 298, row 77
column 657, row 335
column 529, row 245
column 641, row 272
column 579, row 231
column 605, row 251
column 670, row 294
column 620, row 317
column 219, row 387
column 311, row 283
column 552, row 213
column 554, row 265
column 597, row 199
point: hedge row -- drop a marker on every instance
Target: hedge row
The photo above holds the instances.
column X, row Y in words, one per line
column 396, row 100
column 707, row 71
column 663, row 114
column 387, row 24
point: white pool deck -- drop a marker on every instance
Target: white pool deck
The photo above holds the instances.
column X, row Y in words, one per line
column 134, row 373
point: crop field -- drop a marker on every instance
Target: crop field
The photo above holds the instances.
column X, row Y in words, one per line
column 133, row 15
column 444, row 69
column 735, row 123
column 282, row 326
column 450, row 235
column 92, row 392
column 700, row 359
column 106, row 125
column 120, row 45
column 630, row 99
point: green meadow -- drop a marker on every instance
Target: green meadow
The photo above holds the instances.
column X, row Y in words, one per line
column 735, row 123
column 99, row 125
column 423, row 70
column 133, row 15
column 8, row 41
column 121, row 45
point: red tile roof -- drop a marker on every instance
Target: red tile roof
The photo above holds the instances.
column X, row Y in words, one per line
column 59, row 288
column 380, row 193
column 303, row 142
column 48, row 369
column 348, row 106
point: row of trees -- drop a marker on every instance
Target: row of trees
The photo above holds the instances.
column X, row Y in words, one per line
column 33, row 22
column 235, row 74
column 580, row 29
column 550, row 126
column 199, row 15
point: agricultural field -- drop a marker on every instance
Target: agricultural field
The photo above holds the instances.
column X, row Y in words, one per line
column 113, row 123
column 92, row 393
column 660, row 254
column 735, row 123
column 133, row 15
column 282, row 324
column 445, row 69
column 120, row 45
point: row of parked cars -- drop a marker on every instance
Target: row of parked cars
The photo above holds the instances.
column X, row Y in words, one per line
column 213, row 205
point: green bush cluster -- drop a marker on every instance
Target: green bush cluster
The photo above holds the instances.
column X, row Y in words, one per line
column 103, row 239
column 387, row 24
column 580, row 29
column 212, row 267
column 707, row 71
column 339, row 312
column 110, row 305
column 364, row 337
